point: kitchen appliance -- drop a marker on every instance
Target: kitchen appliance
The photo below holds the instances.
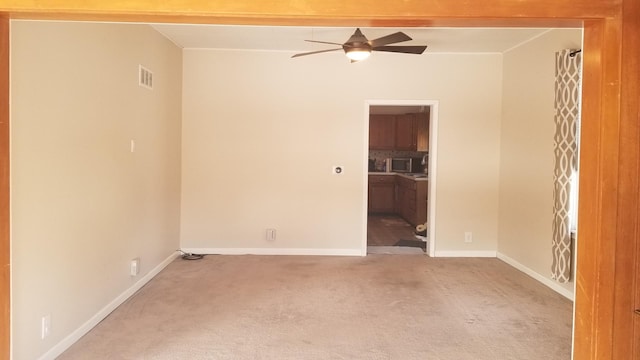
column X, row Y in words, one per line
column 405, row 165
column 400, row 165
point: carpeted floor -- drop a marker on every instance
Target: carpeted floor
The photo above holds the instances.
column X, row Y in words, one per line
column 374, row 307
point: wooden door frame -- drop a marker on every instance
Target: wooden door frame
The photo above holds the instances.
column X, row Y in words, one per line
column 608, row 206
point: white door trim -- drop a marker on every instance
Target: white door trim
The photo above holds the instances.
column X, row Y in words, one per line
column 433, row 147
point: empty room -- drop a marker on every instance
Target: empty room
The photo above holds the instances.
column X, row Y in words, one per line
column 225, row 143
column 134, row 143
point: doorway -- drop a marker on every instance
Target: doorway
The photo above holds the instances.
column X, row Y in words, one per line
column 401, row 153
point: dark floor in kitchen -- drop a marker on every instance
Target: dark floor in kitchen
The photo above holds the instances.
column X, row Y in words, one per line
column 387, row 230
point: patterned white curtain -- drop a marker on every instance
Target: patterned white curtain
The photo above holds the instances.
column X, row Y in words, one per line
column 567, row 113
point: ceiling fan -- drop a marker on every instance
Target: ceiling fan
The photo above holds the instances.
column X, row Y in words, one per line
column 358, row 48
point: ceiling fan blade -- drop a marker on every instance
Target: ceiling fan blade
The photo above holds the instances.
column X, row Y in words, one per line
column 323, row 42
column 402, row 49
column 315, row 52
column 389, row 39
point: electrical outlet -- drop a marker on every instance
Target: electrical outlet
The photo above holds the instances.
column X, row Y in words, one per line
column 135, row 267
column 468, row 237
column 271, row 234
column 46, row 326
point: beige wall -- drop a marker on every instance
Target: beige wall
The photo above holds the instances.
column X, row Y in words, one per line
column 261, row 132
column 82, row 204
column 526, row 171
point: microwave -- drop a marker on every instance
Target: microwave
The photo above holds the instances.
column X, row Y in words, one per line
column 401, row 165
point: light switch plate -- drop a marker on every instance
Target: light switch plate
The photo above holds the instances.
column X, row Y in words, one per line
column 46, row 326
column 135, row 267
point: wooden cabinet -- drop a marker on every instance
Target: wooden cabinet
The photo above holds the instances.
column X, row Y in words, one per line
column 395, row 194
column 406, row 199
column 412, row 132
column 421, row 202
column 381, row 132
column 407, row 132
column 411, row 200
column 405, row 138
column 381, row 194
column 421, row 123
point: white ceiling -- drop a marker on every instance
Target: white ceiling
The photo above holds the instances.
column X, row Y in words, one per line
column 291, row 38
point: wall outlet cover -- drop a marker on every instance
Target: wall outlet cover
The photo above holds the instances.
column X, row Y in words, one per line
column 271, row 234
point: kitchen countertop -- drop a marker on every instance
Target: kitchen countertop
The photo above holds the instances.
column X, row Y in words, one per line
column 404, row 175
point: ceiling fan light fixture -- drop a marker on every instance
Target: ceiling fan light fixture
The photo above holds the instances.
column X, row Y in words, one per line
column 358, row 48
column 358, row 54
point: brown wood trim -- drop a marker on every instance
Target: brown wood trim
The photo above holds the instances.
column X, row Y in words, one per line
column 586, row 268
column 598, row 176
column 315, row 11
column 610, row 104
column 635, row 334
column 628, row 244
column 5, row 242
column 306, row 21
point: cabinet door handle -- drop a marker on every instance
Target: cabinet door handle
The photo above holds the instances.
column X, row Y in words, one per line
column 637, row 311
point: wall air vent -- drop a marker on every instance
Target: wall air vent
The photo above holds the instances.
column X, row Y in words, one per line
column 145, row 77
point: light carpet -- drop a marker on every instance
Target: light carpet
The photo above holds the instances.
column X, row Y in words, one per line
column 306, row 307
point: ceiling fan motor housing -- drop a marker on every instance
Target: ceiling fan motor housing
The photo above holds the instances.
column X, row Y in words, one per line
column 353, row 46
column 357, row 40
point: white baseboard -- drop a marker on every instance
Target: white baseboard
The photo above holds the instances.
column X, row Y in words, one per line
column 275, row 251
column 541, row 278
column 470, row 253
column 63, row 345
